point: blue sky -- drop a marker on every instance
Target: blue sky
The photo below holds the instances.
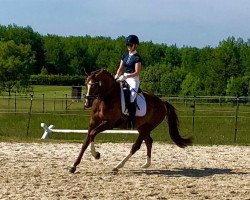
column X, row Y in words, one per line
column 196, row 23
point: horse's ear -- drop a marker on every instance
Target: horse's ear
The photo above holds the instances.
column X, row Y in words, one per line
column 86, row 71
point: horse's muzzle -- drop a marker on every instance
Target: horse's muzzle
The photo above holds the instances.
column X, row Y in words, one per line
column 89, row 101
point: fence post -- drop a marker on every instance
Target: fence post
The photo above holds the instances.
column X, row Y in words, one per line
column 66, row 102
column 185, row 100
column 29, row 114
column 54, row 102
column 236, row 120
column 15, row 102
column 43, row 103
column 193, row 115
column 9, row 101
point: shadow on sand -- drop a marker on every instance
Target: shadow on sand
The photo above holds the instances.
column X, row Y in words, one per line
column 178, row 172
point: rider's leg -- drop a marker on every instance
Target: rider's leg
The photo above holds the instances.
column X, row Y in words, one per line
column 132, row 111
column 133, row 87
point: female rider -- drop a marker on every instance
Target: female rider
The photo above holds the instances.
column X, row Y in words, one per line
column 129, row 70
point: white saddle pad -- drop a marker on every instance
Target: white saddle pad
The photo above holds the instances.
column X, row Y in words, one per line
column 141, row 102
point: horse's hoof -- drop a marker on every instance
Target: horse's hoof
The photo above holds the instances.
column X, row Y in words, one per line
column 145, row 166
column 97, row 156
column 115, row 170
column 72, row 169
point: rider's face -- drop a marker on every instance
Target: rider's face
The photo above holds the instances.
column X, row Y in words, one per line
column 131, row 47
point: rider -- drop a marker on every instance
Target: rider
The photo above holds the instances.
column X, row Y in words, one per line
column 129, row 70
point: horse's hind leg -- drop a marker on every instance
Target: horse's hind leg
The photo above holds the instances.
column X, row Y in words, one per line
column 148, row 141
column 136, row 146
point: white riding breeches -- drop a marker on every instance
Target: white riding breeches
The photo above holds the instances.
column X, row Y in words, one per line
column 133, row 83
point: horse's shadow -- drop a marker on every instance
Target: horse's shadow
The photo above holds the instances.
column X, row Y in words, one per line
column 187, row 172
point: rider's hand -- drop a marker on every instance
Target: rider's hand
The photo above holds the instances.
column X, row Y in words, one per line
column 116, row 76
column 122, row 78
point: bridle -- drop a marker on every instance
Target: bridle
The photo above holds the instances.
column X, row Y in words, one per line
column 97, row 90
column 98, row 83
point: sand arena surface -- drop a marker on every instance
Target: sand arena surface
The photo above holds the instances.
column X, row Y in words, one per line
column 40, row 171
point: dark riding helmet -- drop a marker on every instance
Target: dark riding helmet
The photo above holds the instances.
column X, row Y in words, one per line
column 132, row 39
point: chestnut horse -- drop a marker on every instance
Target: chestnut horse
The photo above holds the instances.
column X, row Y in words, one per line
column 103, row 95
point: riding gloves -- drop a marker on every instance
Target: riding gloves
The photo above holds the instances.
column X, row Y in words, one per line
column 116, row 76
column 122, row 78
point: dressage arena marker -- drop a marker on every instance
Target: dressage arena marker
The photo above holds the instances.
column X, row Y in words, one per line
column 50, row 129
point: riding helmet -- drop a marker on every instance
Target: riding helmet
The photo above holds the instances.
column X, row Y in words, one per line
column 132, row 39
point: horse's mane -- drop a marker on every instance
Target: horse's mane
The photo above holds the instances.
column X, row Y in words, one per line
column 109, row 74
column 104, row 71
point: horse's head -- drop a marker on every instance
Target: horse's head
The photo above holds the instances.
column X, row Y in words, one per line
column 99, row 84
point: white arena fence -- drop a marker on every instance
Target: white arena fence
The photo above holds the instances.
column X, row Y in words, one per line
column 48, row 130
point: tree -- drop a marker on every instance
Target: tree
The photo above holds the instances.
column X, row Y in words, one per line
column 151, row 77
column 26, row 36
column 173, row 56
column 102, row 60
column 171, row 82
column 192, row 86
column 190, row 58
column 16, row 62
column 238, row 86
column 54, row 55
column 75, row 49
column 245, row 58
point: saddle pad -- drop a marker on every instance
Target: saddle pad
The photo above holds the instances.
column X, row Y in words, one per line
column 141, row 102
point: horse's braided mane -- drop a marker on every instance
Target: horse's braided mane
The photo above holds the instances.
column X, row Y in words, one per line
column 104, row 71
column 109, row 74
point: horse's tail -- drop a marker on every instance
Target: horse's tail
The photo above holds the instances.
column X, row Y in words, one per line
column 173, row 125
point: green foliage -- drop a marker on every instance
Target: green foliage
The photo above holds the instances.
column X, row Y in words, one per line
column 16, row 63
column 173, row 56
column 45, row 79
column 44, row 71
column 166, row 70
column 190, row 58
column 226, row 64
column 171, row 82
column 25, row 36
column 191, row 86
column 151, row 78
column 238, row 86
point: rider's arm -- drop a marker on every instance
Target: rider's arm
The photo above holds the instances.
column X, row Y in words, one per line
column 120, row 69
column 137, row 70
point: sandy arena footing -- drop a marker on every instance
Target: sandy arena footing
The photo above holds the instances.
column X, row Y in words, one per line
column 40, row 171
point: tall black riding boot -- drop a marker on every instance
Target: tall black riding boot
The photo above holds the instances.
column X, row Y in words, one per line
column 132, row 111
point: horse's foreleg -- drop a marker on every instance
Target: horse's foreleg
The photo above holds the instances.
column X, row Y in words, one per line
column 94, row 153
column 101, row 127
column 90, row 139
column 148, row 141
column 79, row 158
column 136, row 146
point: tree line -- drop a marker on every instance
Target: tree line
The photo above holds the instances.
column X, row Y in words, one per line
column 166, row 69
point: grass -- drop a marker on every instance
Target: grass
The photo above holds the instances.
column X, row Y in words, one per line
column 52, row 91
column 213, row 123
